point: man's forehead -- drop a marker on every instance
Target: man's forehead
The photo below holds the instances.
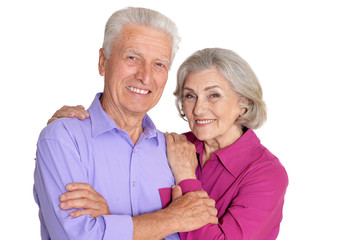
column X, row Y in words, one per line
column 142, row 41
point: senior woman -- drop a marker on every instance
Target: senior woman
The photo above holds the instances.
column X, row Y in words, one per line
column 220, row 97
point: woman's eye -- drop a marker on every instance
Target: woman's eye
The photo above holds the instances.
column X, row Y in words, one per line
column 215, row 95
column 188, row 96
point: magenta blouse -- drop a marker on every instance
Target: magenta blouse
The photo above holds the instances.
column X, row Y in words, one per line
column 248, row 184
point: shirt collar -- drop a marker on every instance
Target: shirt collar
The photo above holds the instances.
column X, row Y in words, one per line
column 236, row 156
column 102, row 122
column 149, row 129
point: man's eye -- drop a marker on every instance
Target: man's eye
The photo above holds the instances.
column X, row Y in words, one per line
column 131, row 58
column 160, row 64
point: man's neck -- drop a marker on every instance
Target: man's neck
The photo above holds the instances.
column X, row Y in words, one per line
column 129, row 122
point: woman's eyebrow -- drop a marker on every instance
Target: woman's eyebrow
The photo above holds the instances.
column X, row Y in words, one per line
column 207, row 88
column 211, row 87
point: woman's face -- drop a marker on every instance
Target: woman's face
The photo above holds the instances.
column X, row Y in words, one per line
column 211, row 106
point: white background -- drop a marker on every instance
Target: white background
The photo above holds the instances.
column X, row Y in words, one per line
column 307, row 55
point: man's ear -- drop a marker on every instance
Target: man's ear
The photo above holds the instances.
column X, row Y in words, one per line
column 102, row 62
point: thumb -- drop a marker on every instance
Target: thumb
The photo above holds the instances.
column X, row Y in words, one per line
column 176, row 192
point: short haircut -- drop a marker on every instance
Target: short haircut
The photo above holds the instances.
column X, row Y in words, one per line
column 138, row 16
column 238, row 73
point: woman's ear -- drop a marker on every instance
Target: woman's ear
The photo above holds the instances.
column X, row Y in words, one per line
column 243, row 102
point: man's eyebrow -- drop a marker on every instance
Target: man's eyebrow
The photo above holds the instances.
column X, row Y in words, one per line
column 163, row 59
column 134, row 51
column 141, row 54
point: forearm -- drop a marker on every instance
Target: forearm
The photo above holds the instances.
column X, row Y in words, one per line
column 50, row 184
column 155, row 225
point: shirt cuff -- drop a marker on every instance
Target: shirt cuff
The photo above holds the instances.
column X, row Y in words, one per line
column 118, row 227
column 190, row 185
column 165, row 196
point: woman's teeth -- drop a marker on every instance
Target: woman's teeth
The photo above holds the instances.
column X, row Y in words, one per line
column 205, row 121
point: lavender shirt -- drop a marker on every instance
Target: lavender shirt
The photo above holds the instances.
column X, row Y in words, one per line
column 97, row 152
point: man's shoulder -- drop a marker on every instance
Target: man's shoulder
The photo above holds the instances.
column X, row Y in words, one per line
column 63, row 128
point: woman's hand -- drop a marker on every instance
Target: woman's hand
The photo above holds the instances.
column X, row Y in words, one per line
column 182, row 157
column 82, row 195
column 69, row 112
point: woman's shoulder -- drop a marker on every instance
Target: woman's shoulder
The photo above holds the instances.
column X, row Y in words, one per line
column 190, row 136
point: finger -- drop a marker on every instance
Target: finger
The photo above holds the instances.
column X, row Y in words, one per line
column 51, row 120
column 78, row 194
column 213, row 220
column 179, row 137
column 176, row 192
column 79, row 204
column 198, row 194
column 169, row 139
column 209, row 213
column 67, row 111
column 79, row 186
column 212, row 211
column 91, row 212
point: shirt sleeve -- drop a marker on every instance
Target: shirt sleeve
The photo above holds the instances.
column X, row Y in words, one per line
column 187, row 185
column 58, row 163
column 256, row 210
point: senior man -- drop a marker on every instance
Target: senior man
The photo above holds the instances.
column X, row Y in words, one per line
column 118, row 151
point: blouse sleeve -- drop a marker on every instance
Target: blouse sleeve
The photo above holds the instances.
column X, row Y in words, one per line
column 256, row 209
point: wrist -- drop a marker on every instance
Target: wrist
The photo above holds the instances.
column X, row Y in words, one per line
column 181, row 177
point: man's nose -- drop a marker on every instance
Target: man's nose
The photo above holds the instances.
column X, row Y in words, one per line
column 144, row 74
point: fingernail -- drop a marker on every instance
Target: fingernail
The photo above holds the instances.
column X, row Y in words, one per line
column 62, row 205
column 68, row 187
column 62, row 198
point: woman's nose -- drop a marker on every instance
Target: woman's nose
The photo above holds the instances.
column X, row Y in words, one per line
column 200, row 107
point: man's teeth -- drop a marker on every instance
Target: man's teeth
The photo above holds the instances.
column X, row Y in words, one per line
column 138, row 90
column 205, row 121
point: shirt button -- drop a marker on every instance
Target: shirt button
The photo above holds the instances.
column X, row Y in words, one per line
column 134, row 183
column 133, row 150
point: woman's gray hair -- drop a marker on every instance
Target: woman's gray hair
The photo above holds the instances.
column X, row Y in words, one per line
column 138, row 16
column 238, row 73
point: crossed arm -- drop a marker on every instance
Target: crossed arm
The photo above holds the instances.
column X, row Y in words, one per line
column 185, row 213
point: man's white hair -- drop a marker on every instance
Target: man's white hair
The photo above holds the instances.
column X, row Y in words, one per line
column 138, row 16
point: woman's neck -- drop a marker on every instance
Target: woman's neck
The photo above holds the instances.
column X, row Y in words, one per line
column 213, row 145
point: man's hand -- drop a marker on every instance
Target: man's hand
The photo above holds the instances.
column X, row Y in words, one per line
column 181, row 156
column 69, row 112
column 192, row 210
column 185, row 213
column 83, row 196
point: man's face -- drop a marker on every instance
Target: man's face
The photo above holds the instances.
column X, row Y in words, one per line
column 137, row 70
